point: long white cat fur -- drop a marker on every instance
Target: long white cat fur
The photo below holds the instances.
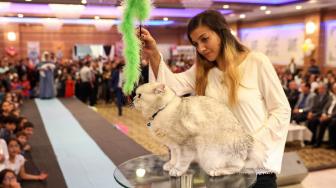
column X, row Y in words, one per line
column 198, row 128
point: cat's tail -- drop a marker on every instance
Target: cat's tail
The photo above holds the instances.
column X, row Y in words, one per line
column 256, row 155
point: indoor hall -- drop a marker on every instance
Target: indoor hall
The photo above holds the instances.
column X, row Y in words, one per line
column 69, row 70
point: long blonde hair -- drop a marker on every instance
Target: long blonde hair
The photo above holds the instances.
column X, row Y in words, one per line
column 230, row 51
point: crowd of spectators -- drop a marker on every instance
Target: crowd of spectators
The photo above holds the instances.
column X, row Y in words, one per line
column 312, row 97
column 15, row 133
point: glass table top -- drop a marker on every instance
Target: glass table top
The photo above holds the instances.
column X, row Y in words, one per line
column 146, row 172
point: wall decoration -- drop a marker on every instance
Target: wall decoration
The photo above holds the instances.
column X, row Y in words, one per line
column 33, row 51
column 330, row 56
column 280, row 43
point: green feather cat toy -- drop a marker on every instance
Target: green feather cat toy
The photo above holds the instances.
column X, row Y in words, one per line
column 133, row 9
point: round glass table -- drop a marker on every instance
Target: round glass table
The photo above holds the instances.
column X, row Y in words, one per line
column 146, row 172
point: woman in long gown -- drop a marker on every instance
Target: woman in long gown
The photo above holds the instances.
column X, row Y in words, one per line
column 46, row 69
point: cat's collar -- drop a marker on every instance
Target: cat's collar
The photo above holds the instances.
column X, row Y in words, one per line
column 153, row 116
column 156, row 113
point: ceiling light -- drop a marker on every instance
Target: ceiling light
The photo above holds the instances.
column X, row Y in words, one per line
column 96, row 17
column 263, row 8
column 242, row 16
column 28, row 0
column 11, row 36
column 226, row 6
column 310, row 27
column 20, row 15
column 298, row 7
column 165, row 19
column 268, row 12
column 83, row 1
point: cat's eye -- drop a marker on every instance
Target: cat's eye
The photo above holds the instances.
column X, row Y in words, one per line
column 139, row 95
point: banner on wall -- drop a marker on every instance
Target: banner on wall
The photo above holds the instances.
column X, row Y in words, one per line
column 280, row 43
column 330, row 55
column 33, row 51
column 188, row 51
column 93, row 50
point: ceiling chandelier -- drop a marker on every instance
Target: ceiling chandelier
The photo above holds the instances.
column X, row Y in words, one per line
column 196, row 3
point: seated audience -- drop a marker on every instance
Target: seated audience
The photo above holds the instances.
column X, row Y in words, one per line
column 314, row 115
column 16, row 162
column 292, row 93
column 304, row 104
column 7, row 132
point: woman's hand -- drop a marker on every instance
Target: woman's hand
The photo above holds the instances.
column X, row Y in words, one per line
column 149, row 49
column 149, row 46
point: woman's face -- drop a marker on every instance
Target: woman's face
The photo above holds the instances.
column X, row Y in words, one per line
column 207, row 42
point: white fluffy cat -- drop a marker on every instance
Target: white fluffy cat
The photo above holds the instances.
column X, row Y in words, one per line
column 198, row 128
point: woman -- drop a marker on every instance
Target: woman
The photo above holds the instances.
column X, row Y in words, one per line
column 46, row 70
column 228, row 71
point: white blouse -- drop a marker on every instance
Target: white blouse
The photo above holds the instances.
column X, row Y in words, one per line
column 262, row 104
column 17, row 164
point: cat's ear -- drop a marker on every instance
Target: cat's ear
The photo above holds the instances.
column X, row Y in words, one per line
column 160, row 89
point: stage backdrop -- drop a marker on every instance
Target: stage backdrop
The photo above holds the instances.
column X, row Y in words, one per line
column 280, row 43
column 330, row 55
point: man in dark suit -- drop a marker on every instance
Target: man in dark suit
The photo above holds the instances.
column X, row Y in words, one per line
column 304, row 104
column 292, row 94
column 327, row 119
column 316, row 114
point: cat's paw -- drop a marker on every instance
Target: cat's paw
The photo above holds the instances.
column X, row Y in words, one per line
column 214, row 172
column 168, row 166
column 176, row 172
column 220, row 172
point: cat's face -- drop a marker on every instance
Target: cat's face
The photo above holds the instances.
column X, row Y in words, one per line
column 151, row 97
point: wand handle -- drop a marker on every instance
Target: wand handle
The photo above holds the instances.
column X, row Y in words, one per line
column 142, row 43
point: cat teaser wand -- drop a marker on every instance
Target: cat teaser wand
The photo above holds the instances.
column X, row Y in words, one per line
column 140, row 10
